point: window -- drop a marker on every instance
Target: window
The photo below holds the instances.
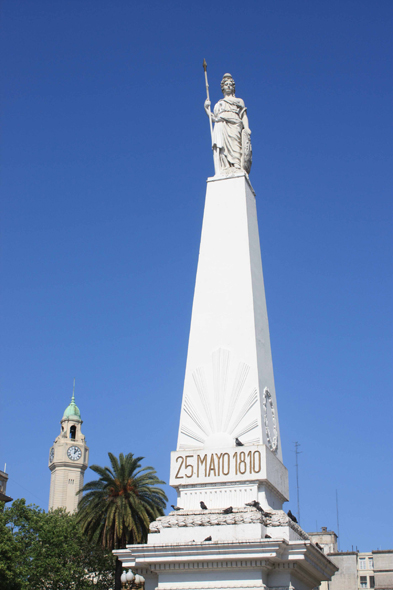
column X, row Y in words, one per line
column 362, row 563
column 370, row 563
column 372, row 582
column 71, row 481
column 363, row 581
column 73, row 432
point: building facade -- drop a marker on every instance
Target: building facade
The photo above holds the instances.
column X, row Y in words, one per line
column 68, row 461
column 357, row 570
column 3, row 487
column 383, row 569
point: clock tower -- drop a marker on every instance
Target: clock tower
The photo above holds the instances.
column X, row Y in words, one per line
column 68, row 460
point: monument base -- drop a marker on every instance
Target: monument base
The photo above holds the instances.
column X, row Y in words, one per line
column 207, row 549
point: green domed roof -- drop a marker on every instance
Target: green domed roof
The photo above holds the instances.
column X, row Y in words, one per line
column 72, row 411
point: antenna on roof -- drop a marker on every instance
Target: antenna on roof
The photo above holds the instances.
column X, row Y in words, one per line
column 297, row 445
column 338, row 524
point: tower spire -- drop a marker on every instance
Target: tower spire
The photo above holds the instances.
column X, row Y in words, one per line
column 72, row 411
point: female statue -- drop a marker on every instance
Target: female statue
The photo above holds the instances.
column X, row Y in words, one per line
column 231, row 135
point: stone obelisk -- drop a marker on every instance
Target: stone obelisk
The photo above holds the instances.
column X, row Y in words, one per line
column 229, row 529
column 229, row 396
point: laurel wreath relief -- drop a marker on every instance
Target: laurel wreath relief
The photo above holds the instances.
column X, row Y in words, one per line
column 267, row 399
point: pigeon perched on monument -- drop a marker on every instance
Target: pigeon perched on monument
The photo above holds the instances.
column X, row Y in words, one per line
column 292, row 516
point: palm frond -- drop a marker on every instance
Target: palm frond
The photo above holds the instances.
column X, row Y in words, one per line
column 117, row 508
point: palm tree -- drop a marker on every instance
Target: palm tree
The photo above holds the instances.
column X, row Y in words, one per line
column 118, row 508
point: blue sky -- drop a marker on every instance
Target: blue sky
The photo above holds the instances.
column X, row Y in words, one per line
column 105, row 153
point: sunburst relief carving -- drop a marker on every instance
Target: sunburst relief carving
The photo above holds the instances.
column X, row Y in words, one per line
column 222, row 405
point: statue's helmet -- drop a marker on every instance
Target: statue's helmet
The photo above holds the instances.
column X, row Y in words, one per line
column 225, row 78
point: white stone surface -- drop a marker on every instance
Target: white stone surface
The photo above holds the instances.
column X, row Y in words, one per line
column 186, row 526
column 229, row 362
column 229, row 388
column 228, row 393
column 266, row 564
column 249, row 473
column 224, row 465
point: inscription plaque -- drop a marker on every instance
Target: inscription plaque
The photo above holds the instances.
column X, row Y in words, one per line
column 216, row 465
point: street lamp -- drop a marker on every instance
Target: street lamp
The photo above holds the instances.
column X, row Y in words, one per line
column 139, row 581
column 130, row 581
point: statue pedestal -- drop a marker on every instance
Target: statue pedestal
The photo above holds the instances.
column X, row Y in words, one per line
column 228, row 449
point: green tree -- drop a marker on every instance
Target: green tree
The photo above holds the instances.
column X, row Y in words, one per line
column 117, row 508
column 9, row 574
column 48, row 551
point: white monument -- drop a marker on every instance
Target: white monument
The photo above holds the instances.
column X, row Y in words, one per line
column 228, row 530
column 68, row 460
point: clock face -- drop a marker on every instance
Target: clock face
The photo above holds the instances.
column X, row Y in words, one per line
column 74, row 453
column 51, row 455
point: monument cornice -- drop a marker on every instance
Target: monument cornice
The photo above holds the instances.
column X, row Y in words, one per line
column 257, row 585
column 202, row 555
column 267, row 554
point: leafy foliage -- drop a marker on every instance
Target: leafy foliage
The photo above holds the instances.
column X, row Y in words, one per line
column 119, row 506
column 9, row 572
column 60, row 551
column 40, row 550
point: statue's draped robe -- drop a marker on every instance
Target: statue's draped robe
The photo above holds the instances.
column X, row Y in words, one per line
column 227, row 134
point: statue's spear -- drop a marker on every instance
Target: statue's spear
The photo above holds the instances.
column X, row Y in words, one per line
column 208, row 98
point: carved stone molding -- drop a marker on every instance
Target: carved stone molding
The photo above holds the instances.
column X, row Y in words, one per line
column 191, row 518
column 280, row 518
column 234, row 564
column 246, row 515
column 216, row 585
